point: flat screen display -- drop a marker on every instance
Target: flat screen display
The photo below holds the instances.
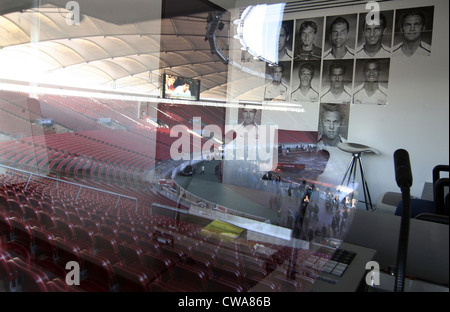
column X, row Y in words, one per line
column 177, row 87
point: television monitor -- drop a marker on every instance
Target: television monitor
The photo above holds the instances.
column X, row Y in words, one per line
column 177, row 87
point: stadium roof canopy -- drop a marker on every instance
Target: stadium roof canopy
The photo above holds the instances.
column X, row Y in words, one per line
column 119, row 45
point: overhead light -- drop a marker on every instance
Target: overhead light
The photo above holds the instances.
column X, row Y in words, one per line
column 258, row 29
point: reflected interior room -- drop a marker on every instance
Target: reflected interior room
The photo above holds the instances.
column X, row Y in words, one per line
column 159, row 146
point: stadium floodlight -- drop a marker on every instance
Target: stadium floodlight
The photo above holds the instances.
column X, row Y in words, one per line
column 258, row 30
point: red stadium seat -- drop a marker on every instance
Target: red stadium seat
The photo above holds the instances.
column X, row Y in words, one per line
column 30, row 278
column 31, row 213
column 85, row 238
column 133, row 257
column 175, row 254
column 110, row 231
column 193, row 278
column 100, row 276
column 6, row 226
column 44, row 243
column 76, row 219
column 130, row 280
column 17, row 249
column 15, row 206
column 203, row 264
column 286, row 284
column 22, row 232
column 3, row 202
column 58, row 285
column 229, row 273
column 66, row 228
column 161, row 264
column 107, row 247
column 8, row 275
column 53, row 269
column 48, row 221
column 261, row 285
column 66, row 252
column 217, row 284
column 149, row 246
column 128, row 238
column 92, row 225
column 131, row 254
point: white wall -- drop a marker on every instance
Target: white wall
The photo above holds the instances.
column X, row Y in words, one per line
column 417, row 116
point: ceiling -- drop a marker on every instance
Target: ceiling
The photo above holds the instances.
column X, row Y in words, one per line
column 124, row 45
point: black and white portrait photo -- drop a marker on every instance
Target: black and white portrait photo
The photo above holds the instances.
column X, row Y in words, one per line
column 337, row 81
column 371, row 81
column 308, row 39
column 413, row 32
column 340, row 37
column 249, row 116
column 285, row 41
column 306, row 81
column 277, row 88
column 375, row 37
column 333, row 124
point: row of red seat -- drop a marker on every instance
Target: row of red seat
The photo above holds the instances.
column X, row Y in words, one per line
column 29, row 224
column 67, row 153
column 215, row 264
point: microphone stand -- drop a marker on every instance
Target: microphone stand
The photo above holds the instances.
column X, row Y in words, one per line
column 402, row 251
column 403, row 176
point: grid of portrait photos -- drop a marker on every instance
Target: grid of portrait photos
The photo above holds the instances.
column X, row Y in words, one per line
column 345, row 60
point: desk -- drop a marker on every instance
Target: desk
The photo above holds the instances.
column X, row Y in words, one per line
column 428, row 247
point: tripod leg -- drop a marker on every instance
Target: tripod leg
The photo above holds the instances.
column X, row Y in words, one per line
column 365, row 186
column 350, row 165
column 353, row 173
column 355, row 168
column 352, row 169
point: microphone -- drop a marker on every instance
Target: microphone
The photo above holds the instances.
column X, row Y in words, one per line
column 403, row 174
